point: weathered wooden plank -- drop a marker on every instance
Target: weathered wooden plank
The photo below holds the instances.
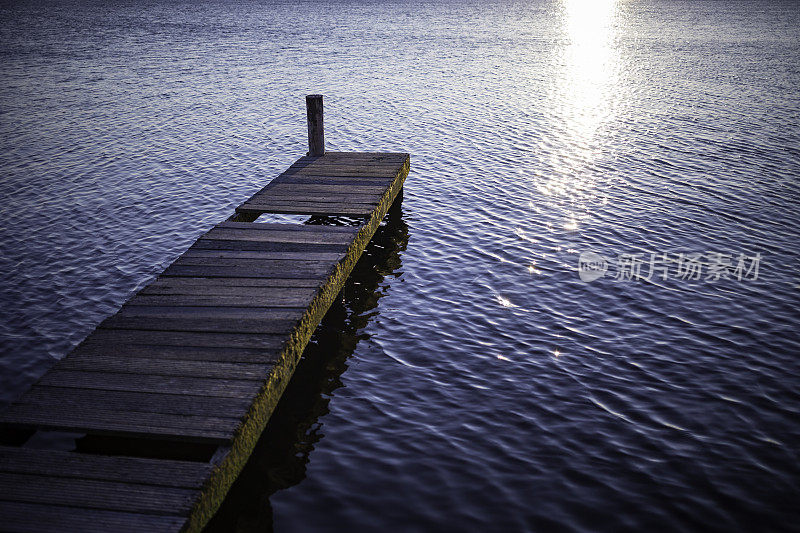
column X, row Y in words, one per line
column 331, row 257
column 301, row 295
column 220, row 313
column 225, row 388
column 183, row 294
column 339, row 197
column 37, row 518
column 45, row 397
column 95, row 494
column 368, row 157
column 225, row 354
column 333, row 205
column 309, row 189
column 174, row 281
column 181, row 474
column 344, row 170
column 340, row 171
column 159, row 367
column 343, row 158
column 274, row 264
column 211, row 244
column 94, row 419
column 208, row 271
column 306, row 208
column 122, row 428
column 291, row 175
column 380, row 166
column 274, row 226
column 359, row 155
column 266, row 342
column 256, row 235
column 336, row 181
column 218, row 300
column 75, row 422
column 199, row 324
column 274, row 268
column 375, row 166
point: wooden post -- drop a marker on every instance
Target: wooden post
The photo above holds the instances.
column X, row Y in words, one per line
column 316, row 128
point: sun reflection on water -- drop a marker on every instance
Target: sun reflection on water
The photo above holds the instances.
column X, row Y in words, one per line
column 583, row 100
column 590, row 64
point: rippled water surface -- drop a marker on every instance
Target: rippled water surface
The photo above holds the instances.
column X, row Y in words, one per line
column 470, row 379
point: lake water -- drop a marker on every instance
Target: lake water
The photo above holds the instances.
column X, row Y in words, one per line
column 471, row 380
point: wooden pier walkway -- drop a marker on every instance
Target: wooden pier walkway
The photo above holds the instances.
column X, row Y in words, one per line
column 191, row 367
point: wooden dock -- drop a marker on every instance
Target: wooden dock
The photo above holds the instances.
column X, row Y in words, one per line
column 169, row 395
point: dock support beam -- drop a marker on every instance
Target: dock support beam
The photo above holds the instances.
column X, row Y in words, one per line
column 316, row 128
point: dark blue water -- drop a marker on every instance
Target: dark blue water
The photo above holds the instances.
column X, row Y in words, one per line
column 470, row 380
